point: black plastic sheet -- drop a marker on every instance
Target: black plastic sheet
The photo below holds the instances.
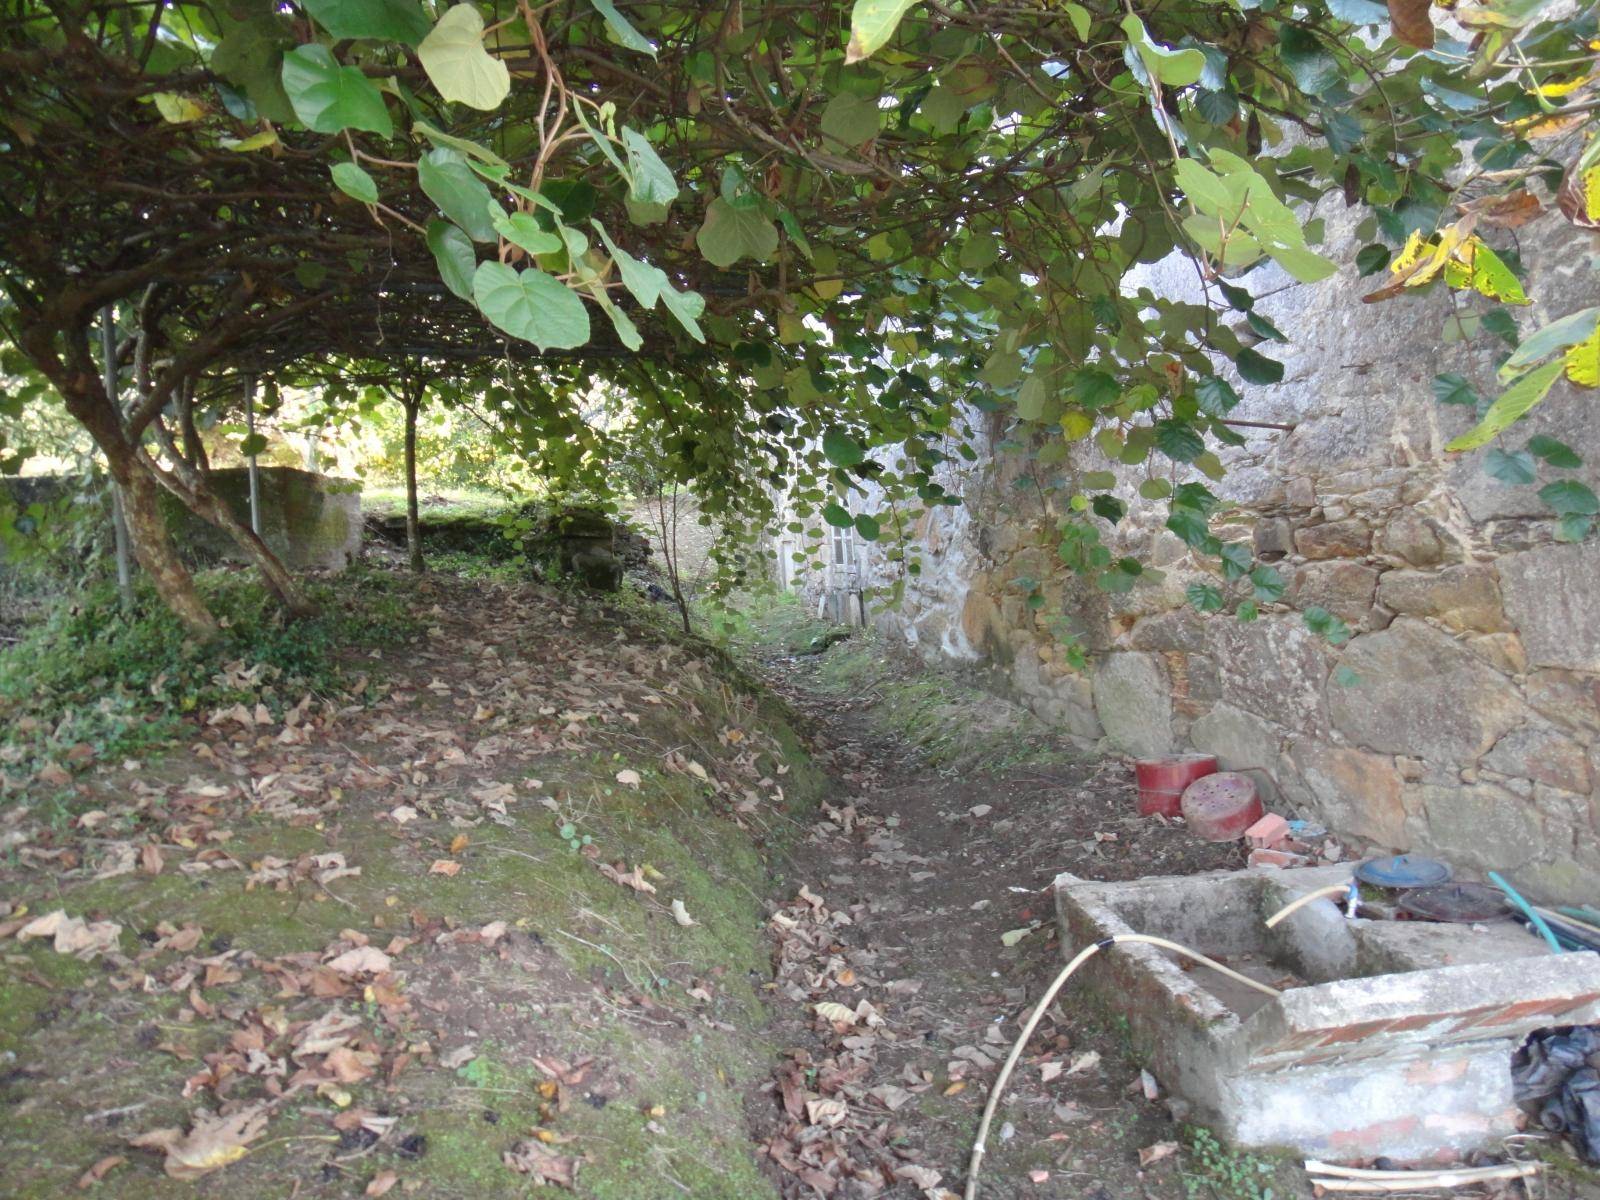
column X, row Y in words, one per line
column 1555, row 1075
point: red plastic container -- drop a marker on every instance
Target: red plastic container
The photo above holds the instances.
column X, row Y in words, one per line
column 1162, row 780
column 1219, row 808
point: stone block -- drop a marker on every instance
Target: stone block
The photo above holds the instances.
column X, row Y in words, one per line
column 1421, row 693
column 1543, row 755
column 1241, row 741
column 1464, row 597
column 1133, row 699
column 1481, row 826
column 1550, row 599
column 983, row 628
column 1349, row 538
column 1342, row 587
column 1273, row 667
column 1412, row 538
column 310, row 521
column 1569, row 698
column 1352, row 791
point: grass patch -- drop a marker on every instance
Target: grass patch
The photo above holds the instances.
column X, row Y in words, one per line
column 94, row 683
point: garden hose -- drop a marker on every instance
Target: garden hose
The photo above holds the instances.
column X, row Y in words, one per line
column 1083, row 956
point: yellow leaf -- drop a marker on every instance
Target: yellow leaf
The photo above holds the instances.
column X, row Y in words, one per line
column 1075, row 424
column 1583, row 361
column 832, row 1010
column 1552, row 90
column 459, row 843
column 176, row 109
column 256, row 141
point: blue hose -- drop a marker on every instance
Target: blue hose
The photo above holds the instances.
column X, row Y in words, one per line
column 1527, row 910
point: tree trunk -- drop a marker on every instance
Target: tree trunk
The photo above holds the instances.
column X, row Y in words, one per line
column 413, row 522
column 152, row 546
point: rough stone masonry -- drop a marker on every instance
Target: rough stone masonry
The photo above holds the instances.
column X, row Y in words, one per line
column 1472, row 729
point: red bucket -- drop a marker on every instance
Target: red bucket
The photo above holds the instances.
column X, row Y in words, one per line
column 1162, row 780
column 1219, row 808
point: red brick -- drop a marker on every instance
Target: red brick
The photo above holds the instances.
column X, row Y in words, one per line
column 1377, row 1134
column 1353, row 1033
column 1268, row 833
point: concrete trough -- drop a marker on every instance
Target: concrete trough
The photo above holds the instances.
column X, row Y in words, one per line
column 1390, row 1038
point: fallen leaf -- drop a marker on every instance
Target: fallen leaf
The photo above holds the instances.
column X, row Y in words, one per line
column 1012, row 936
column 150, row 859
column 382, row 1182
column 1039, row 1175
column 210, row 1145
column 98, row 1172
column 530, row 1157
column 981, row 810
column 832, row 1010
column 828, row 1112
column 445, row 866
column 363, row 960
column 680, row 914
column 628, row 778
column 1156, row 1152
column 1087, row 1061
column 1049, row 1071
column 73, row 935
column 459, row 843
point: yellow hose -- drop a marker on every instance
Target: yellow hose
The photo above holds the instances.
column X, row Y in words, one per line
column 979, row 1147
column 1330, row 890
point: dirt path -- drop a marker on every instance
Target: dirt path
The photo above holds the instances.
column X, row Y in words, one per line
column 912, row 882
column 906, row 912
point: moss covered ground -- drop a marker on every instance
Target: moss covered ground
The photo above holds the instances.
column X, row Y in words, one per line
column 494, row 767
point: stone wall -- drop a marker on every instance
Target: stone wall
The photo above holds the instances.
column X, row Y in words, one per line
column 1472, row 726
column 310, row 521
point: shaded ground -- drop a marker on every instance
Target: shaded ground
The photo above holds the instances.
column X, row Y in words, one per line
column 433, row 938
column 505, row 915
column 955, row 812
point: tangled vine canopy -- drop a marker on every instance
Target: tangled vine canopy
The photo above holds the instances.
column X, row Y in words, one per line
column 795, row 231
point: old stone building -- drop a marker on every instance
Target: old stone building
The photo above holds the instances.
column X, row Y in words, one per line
column 1468, row 723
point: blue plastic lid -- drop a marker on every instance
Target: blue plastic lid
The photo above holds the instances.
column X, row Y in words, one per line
column 1403, row 871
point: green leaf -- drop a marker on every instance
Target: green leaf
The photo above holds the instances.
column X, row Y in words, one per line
column 838, row 516
column 1573, row 528
column 1179, row 441
column 452, row 250
column 840, row 449
column 354, row 182
column 1454, row 389
column 1558, row 335
column 650, row 180
column 872, row 24
column 1095, row 389
column 649, row 284
column 459, row 66
column 328, row 98
column 463, row 197
column 1216, row 107
column 734, row 231
column 1267, row 584
column 1098, row 481
column 1109, row 507
column 1257, row 368
column 867, row 527
column 1190, row 526
column 1247, row 610
column 1215, row 396
column 1558, row 454
column 252, row 444
column 387, row 20
column 1236, row 561
column 461, row 145
column 1323, row 623
column 850, row 120
column 1155, row 489
column 1570, row 498
column 521, row 229
column 1510, row 406
column 1174, row 68
column 531, row 305
column 622, row 29
column 1305, row 265
column 1079, row 16
column 1372, row 258
column 1513, row 467
column 1204, row 597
